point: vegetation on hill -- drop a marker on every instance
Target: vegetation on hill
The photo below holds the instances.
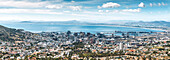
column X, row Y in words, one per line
column 10, row 34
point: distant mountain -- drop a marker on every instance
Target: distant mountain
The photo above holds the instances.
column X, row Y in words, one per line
column 151, row 23
column 71, row 22
column 25, row 22
column 159, row 22
column 120, row 21
column 162, row 23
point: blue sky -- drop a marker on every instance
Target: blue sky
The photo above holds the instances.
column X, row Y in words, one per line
column 84, row 10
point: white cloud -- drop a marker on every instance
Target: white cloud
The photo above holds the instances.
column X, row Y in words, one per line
column 66, row 11
column 73, row 1
column 159, row 4
column 34, row 11
column 23, row 4
column 120, row 11
column 35, row 0
column 164, row 4
column 87, row 7
column 141, row 4
column 75, row 8
column 79, row 15
column 99, row 7
column 151, row 4
column 132, row 10
column 115, row 11
column 74, row 14
column 154, row 4
column 109, row 5
column 100, row 11
column 54, row 6
column 107, row 11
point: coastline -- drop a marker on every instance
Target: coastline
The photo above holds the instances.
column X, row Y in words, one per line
column 95, row 25
column 107, row 25
column 133, row 27
column 144, row 28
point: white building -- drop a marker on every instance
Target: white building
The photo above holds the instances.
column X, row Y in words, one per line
column 120, row 46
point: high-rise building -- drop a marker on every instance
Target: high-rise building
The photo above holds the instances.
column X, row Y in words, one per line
column 120, row 46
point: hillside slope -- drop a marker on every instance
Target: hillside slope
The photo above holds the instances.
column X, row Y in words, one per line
column 10, row 34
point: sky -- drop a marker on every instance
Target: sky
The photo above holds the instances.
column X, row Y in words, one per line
column 84, row 10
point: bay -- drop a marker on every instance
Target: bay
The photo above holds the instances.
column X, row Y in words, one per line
column 39, row 27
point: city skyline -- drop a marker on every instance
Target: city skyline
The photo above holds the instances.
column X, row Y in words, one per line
column 84, row 30
column 84, row 10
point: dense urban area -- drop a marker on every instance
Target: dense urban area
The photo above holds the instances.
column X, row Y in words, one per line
column 20, row 44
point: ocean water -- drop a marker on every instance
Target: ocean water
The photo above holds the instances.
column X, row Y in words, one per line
column 39, row 27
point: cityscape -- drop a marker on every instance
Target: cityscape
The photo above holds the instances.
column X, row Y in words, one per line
column 84, row 30
column 20, row 44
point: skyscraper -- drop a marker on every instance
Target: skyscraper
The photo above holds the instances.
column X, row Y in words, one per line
column 120, row 46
